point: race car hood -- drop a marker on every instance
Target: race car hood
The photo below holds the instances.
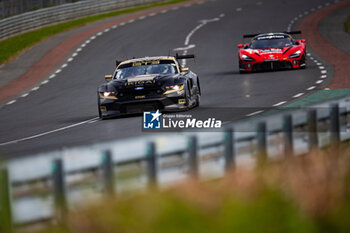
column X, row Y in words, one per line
column 149, row 81
column 270, row 53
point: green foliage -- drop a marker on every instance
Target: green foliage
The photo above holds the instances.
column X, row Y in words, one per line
column 15, row 45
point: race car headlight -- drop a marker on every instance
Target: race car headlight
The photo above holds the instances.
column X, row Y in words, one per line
column 295, row 55
column 247, row 58
column 108, row 94
column 174, row 88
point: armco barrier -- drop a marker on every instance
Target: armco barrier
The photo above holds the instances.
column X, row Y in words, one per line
column 35, row 19
column 103, row 169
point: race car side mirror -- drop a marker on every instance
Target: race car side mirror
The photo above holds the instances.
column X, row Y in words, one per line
column 246, row 46
column 240, row 46
column 303, row 41
column 184, row 69
column 108, row 77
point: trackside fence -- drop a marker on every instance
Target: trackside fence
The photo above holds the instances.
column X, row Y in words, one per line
column 280, row 133
column 31, row 20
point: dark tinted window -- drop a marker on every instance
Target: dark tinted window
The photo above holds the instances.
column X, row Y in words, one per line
column 271, row 43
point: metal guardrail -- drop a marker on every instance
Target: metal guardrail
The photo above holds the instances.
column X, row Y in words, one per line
column 15, row 7
column 42, row 17
column 194, row 157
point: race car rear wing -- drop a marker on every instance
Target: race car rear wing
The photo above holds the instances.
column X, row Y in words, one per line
column 253, row 35
column 187, row 56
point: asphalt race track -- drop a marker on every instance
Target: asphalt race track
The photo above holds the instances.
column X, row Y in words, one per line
column 63, row 112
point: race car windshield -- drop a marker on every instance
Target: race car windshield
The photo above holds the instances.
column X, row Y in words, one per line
column 126, row 72
column 271, row 43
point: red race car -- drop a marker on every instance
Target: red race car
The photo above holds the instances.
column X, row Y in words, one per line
column 271, row 51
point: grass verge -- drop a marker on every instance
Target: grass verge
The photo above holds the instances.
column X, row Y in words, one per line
column 15, row 45
column 304, row 194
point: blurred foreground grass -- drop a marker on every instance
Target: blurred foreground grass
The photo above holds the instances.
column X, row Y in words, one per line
column 304, row 194
column 15, row 45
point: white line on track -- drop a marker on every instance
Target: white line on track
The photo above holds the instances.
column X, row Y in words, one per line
column 99, row 34
column 74, row 54
column 52, row 76
column 24, row 95
column 48, row 132
column 311, row 88
column 323, row 71
column 70, row 59
column 45, row 81
column 11, row 102
column 280, row 103
column 239, row 9
column 64, row 65
column 255, row 113
column 58, row 71
column 323, row 76
column 319, row 81
column 192, row 32
column 35, row 88
column 298, row 95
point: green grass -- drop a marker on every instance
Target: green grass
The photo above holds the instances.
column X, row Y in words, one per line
column 15, row 45
column 347, row 25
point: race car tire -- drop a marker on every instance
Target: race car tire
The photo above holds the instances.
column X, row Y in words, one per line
column 198, row 100
column 199, row 87
column 187, row 96
column 98, row 107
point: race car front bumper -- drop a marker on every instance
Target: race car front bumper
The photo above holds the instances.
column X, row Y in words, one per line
column 110, row 107
column 278, row 64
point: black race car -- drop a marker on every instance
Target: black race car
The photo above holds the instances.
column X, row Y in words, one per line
column 148, row 84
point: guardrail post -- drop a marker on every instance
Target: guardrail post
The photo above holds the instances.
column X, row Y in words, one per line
column 152, row 164
column 262, row 141
column 107, row 172
column 312, row 128
column 229, row 150
column 335, row 124
column 288, row 135
column 193, row 158
column 5, row 201
column 59, row 193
